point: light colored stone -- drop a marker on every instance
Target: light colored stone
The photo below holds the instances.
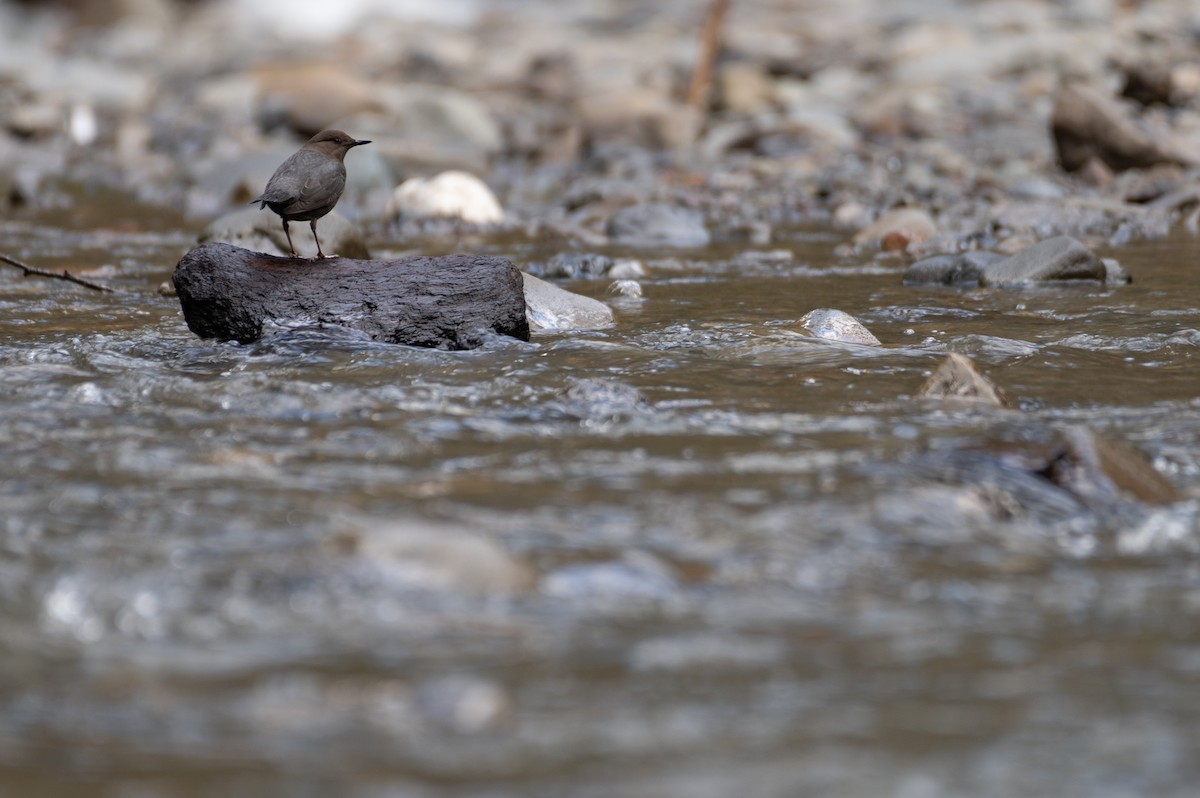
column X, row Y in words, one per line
column 550, row 308
column 837, row 325
column 454, row 194
column 897, row 229
column 438, row 557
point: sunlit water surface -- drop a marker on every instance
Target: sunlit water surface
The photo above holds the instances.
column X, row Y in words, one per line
column 764, row 579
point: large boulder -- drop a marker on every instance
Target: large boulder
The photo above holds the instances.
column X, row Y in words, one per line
column 447, row 302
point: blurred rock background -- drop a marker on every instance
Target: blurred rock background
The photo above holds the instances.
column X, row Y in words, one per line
column 1002, row 122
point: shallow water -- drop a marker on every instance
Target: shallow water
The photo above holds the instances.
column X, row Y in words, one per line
column 772, row 574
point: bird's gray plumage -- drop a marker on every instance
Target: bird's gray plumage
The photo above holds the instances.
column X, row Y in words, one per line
column 309, row 183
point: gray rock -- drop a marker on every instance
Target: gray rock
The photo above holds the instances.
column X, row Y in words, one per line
column 261, row 231
column 1059, row 258
column 548, row 308
column 658, row 224
column 836, row 325
column 956, row 378
column 430, row 128
column 955, row 269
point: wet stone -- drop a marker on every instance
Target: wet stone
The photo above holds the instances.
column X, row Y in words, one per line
column 658, row 224
column 447, row 302
column 956, row 378
column 837, row 325
column 1115, row 273
column 549, row 307
column 1059, row 258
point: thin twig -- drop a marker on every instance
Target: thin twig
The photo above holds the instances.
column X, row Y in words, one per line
column 63, row 275
column 710, row 48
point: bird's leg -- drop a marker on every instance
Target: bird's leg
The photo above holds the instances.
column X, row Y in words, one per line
column 313, row 224
column 288, row 233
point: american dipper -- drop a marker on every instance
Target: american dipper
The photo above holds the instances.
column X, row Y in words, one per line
column 309, row 183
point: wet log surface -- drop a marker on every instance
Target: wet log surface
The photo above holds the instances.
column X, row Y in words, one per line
column 446, row 302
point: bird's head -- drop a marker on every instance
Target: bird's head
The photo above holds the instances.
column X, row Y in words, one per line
column 334, row 142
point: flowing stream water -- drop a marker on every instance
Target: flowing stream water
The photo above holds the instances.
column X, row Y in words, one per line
column 692, row 554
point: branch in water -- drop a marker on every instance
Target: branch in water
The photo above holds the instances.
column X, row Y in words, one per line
column 63, row 275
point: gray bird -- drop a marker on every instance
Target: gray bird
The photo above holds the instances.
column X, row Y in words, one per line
column 309, row 183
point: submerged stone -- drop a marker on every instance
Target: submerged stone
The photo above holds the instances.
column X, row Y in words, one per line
column 837, row 325
column 956, row 378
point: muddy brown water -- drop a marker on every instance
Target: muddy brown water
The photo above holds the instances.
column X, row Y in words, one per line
column 763, row 580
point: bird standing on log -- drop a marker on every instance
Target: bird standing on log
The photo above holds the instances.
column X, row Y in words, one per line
column 309, row 183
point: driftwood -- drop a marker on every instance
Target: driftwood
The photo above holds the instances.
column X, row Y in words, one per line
column 33, row 271
column 448, row 302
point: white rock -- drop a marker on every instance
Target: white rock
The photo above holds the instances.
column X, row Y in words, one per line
column 837, row 325
column 626, row 269
column 433, row 557
column 453, row 194
column 549, row 307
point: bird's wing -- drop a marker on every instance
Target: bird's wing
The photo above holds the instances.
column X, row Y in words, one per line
column 322, row 186
column 304, row 182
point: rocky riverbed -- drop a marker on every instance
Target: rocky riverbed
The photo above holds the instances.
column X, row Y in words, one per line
column 862, row 460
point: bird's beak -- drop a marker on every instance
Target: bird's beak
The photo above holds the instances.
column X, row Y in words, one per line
column 361, row 142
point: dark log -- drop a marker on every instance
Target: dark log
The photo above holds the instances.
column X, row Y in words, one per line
column 448, row 302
